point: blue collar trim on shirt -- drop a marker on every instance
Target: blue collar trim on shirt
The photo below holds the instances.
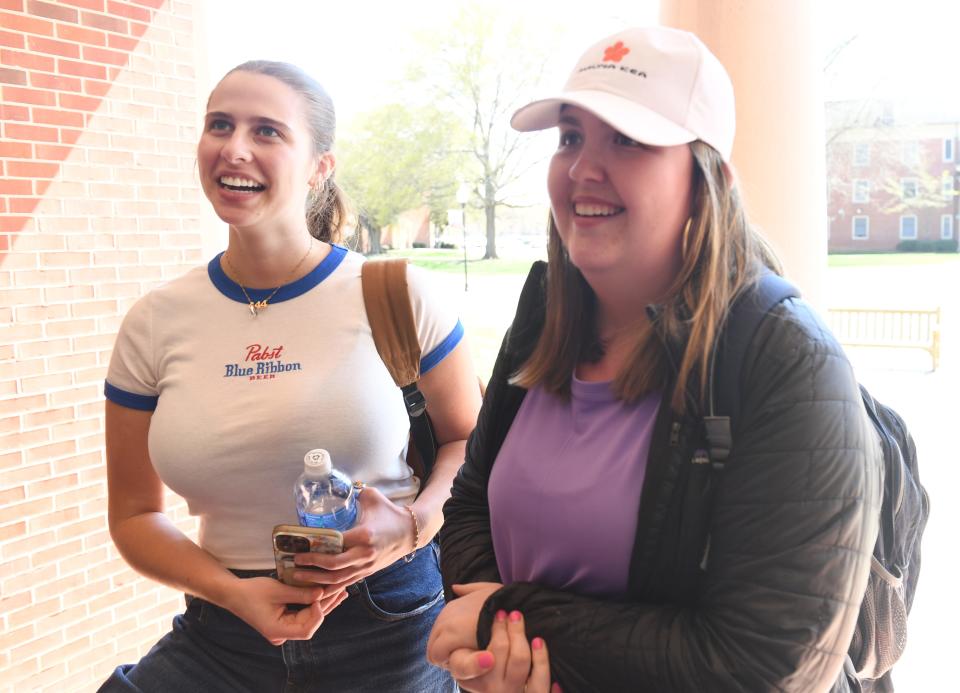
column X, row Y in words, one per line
column 232, row 290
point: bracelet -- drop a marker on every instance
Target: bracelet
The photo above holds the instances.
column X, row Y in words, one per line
column 416, row 534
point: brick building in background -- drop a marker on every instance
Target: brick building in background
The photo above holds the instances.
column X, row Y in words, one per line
column 890, row 181
column 98, row 203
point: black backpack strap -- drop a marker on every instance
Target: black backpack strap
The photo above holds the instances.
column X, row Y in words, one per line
column 745, row 316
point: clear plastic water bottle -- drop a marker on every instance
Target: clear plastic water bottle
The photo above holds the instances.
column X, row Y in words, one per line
column 325, row 496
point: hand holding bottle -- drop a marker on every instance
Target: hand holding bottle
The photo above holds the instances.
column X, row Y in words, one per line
column 385, row 533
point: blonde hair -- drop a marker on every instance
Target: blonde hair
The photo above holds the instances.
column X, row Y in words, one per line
column 722, row 255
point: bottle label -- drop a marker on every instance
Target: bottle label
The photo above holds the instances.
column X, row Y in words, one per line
column 340, row 520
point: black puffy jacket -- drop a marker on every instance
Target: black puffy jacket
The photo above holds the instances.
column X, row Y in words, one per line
column 772, row 604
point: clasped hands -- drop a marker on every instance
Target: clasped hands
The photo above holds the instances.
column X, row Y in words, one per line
column 510, row 664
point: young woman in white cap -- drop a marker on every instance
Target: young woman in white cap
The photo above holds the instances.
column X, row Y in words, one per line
column 588, row 517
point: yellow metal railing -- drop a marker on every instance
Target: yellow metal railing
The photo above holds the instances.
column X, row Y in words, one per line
column 877, row 327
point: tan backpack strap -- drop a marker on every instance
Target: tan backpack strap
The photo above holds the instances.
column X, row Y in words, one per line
column 387, row 301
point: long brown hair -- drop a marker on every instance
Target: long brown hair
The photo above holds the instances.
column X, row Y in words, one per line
column 722, row 255
column 327, row 208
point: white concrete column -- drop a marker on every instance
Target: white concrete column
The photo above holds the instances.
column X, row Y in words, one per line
column 771, row 50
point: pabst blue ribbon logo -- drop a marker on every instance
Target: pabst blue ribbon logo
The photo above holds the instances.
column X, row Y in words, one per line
column 261, row 362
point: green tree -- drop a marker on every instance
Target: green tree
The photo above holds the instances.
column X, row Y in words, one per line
column 481, row 69
column 396, row 158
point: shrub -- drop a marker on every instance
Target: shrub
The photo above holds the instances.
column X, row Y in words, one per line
column 937, row 246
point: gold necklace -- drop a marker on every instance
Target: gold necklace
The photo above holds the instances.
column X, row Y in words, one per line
column 257, row 306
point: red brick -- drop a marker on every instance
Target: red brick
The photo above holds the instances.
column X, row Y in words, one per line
column 124, row 43
column 33, row 133
column 19, row 511
column 96, row 87
column 53, row 519
column 70, row 135
column 25, row 24
column 59, row 82
column 8, row 112
column 96, row 5
column 23, row 205
column 79, row 103
column 89, row 37
column 8, row 223
column 46, row 116
column 15, row 150
column 104, row 22
column 152, row 4
column 10, row 76
column 53, row 47
column 104, row 55
column 15, row 187
column 21, row 405
column 28, row 60
column 14, row 530
column 12, row 40
column 129, row 11
column 36, row 97
column 51, row 11
column 71, row 67
column 45, row 382
column 138, row 29
column 31, row 169
column 52, row 152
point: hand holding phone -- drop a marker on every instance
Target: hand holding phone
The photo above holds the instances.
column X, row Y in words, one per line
column 289, row 540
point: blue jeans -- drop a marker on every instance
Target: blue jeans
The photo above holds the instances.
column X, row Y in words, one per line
column 374, row 641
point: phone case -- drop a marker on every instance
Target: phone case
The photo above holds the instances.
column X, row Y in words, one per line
column 289, row 540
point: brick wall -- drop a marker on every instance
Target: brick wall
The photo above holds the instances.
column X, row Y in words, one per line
column 98, row 203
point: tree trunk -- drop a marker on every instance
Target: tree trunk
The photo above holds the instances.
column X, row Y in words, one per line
column 490, row 209
column 374, row 235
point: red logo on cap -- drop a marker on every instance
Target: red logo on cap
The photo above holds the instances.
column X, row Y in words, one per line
column 615, row 52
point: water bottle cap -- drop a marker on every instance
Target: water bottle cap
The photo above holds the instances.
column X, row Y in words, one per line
column 317, row 461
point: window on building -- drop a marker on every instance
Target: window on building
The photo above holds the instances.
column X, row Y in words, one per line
column 861, row 154
column 861, row 190
column 946, row 226
column 946, row 184
column 861, row 228
column 908, row 226
column 908, row 188
column 948, row 149
column 911, row 153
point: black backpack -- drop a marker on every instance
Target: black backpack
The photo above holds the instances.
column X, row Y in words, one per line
column 881, row 632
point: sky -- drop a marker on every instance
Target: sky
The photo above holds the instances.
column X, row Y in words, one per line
column 903, row 50
column 358, row 50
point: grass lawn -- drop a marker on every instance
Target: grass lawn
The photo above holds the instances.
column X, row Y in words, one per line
column 452, row 261
column 891, row 259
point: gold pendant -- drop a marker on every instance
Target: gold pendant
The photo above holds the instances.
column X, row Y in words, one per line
column 253, row 309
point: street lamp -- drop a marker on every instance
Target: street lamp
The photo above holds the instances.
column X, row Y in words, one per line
column 463, row 195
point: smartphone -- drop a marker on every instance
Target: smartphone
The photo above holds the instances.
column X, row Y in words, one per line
column 289, row 540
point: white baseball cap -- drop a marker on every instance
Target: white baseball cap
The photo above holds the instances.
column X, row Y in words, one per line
column 656, row 85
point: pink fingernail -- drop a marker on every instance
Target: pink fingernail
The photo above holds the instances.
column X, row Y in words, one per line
column 515, row 616
column 501, row 616
column 485, row 660
column 555, row 688
column 537, row 643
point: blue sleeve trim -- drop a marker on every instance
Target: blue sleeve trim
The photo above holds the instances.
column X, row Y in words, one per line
column 441, row 350
column 129, row 399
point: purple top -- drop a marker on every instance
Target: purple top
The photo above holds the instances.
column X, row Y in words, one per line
column 565, row 489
